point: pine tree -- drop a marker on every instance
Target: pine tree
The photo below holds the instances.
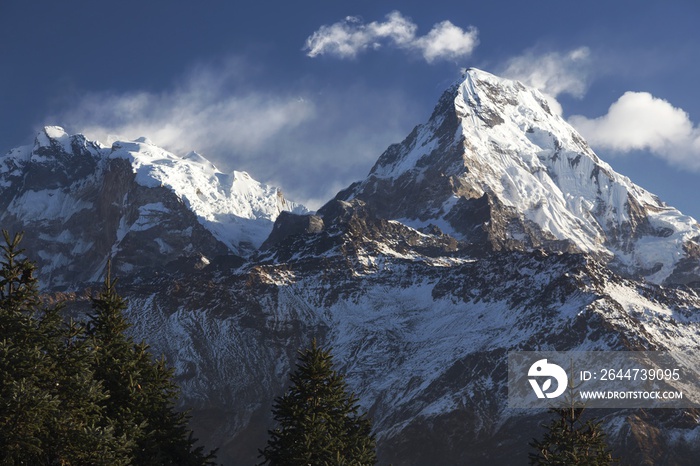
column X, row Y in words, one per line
column 24, row 406
column 141, row 392
column 48, row 399
column 78, row 433
column 318, row 421
column 69, row 397
column 569, row 440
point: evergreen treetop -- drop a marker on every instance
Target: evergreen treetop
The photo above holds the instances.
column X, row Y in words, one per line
column 569, row 440
column 50, row 409
column 318, row 421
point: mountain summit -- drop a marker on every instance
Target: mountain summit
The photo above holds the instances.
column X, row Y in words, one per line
column 495, row 164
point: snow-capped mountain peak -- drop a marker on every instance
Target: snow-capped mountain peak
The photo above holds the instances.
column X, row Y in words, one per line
column 495, row 163
column 52, row 135
column 132, row 196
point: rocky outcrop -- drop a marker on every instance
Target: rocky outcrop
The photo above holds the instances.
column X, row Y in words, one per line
column 288, row 224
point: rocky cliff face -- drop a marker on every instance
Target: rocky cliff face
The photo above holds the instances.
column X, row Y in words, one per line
column 491, row 228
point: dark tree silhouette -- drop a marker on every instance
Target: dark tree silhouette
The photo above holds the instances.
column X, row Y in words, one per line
column 317, row 420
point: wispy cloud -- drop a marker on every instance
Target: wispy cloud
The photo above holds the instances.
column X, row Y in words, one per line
column 311, row 140
column 348, row 38
column 553, row 73
column 640, row 121
column 202, row 109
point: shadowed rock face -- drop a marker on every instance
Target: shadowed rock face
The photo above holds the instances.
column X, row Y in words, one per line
column 491, row 228
column 289, row 224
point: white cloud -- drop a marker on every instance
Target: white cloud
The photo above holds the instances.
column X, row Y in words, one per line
column 640, row 121
column 347, row 38
column 447, row 41
column 397, row 27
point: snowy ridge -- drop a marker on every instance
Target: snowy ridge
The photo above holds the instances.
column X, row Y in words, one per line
column 421, row 342
column 237, row 209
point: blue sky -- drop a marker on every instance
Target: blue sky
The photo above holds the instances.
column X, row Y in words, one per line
column 306, row 95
